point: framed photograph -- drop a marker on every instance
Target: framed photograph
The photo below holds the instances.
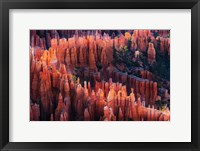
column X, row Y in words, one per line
column 82, row 75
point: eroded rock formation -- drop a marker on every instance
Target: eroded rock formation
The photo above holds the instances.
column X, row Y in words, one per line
column 90, row 76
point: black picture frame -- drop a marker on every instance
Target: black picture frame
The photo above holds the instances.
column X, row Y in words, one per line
column 5, row 5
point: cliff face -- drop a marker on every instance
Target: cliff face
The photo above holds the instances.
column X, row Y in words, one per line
column 101, row 77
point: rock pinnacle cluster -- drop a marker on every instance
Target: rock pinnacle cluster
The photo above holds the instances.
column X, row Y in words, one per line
column 99, row 75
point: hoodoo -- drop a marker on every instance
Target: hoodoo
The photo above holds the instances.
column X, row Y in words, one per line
column 100, row 75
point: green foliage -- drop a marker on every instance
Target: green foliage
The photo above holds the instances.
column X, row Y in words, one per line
column 99, row 66
column 163, row 107
column 124, row 56
column 149, row 39
column 162, row 66
column 168, row 36
column 74, row 78
column 129, row 44
column 125, row 48
column 158, row 104
column 114, row 55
